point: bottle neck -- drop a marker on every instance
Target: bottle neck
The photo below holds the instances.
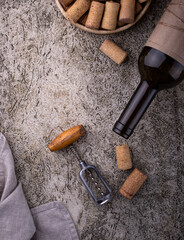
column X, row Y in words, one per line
column 135, row 109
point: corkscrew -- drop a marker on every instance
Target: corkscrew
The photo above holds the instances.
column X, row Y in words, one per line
column 89, row 174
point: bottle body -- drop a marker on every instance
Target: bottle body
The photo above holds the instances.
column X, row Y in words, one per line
column 158, row 71
column 161, row 66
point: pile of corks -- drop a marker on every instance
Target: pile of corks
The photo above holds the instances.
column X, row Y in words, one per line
column 102, row 14
column 136, row 179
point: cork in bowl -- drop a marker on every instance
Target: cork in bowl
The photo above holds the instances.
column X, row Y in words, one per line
column 102, row 16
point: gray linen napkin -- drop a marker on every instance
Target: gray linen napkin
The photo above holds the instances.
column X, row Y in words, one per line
column 53, row 222
column 50, row 221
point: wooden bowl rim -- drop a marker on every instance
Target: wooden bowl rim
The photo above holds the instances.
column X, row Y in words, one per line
column 103, row 32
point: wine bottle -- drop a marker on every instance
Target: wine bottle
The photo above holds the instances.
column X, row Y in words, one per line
column 161, row 66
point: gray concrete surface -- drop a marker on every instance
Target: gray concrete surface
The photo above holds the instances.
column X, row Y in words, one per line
column 53, row 77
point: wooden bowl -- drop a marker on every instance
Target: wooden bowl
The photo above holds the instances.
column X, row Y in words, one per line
column 103, row 32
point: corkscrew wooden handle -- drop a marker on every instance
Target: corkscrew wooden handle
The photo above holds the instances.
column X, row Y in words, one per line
column 66, row 138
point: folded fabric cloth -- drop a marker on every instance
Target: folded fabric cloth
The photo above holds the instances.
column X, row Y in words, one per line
column 50, row 221
column 53, row 222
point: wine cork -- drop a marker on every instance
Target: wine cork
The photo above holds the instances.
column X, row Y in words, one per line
column 113, row 51
column 123, row 156
column 110, row 17
column 66, row 3
column 95, row 15
column 127, row 11
column 138, row 8
column 83, row 19
column 142, row 1
column 78, row 9
column 133, row 183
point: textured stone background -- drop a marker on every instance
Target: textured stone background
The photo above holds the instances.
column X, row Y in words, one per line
column 53, row 76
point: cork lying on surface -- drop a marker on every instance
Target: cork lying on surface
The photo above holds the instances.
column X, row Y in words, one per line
column 110, row 17
column 113, row 51
column 123, row 156
column 95, row 15
column 79, row 8
column 127, row 11
column 133, row 183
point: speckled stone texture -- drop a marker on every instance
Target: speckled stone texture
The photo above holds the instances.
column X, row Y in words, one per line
column 54, row 77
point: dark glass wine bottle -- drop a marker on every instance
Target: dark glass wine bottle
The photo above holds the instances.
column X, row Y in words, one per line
column 161, row 66
column 158, row 71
